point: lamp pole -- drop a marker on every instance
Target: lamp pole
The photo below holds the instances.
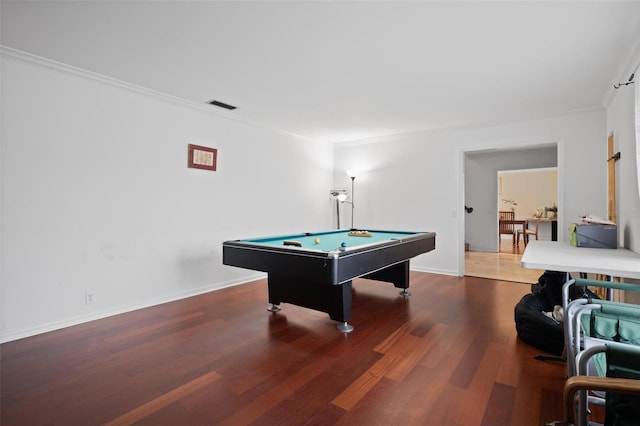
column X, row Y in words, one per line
column 353, row 178
column 340, row 196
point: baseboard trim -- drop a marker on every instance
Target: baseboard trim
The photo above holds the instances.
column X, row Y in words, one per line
column 58, row 325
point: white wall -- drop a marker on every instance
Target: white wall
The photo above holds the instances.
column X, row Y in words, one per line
column 620, row 121
column 532, row 190
column 415, row 181
column 96, row 196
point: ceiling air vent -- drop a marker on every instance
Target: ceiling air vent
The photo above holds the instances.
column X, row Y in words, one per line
column 221, row 104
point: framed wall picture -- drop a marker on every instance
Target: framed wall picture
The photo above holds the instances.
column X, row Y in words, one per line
column 202, row 157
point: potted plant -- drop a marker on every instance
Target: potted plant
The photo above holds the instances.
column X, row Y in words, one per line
column 512, row 203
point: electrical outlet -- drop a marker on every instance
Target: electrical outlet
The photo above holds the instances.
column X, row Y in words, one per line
column 89, row 298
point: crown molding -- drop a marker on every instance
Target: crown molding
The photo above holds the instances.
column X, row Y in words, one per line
column 25, row 57
column 21, row 56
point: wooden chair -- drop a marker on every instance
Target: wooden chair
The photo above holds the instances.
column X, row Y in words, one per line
column 506, row 225
column 611, row 386
column 526, row 232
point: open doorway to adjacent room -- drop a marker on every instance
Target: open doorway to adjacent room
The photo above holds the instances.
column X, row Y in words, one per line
column 532, row 195
column 519, row 168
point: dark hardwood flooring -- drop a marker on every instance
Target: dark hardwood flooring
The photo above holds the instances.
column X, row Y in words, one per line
column 447, row 355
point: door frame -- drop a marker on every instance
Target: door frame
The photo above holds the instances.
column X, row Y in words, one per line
column 505, row 146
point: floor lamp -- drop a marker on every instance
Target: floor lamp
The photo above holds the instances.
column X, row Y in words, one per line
column 340, row 195
column 352, row 175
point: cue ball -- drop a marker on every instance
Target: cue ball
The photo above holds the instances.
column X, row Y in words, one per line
column 317, row 241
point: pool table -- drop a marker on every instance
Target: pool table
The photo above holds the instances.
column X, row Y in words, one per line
column 315, row 269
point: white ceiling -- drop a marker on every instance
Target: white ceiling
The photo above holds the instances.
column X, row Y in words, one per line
column 339, row 71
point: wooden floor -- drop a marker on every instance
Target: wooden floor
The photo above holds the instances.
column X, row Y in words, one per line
column 447, row 355
column 504, row 265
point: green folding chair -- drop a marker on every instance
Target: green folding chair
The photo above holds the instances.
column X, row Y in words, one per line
column 577, row 324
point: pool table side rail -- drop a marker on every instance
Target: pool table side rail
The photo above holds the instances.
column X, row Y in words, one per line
column 322, row 267
column 370, row 260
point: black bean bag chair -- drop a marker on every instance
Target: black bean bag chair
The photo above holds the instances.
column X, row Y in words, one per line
column 537, row 329
column 534, row 327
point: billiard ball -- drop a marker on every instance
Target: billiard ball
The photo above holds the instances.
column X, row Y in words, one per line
column 317, row 240
column 343, row 245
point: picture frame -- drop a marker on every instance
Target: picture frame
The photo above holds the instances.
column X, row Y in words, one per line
column 202, row 157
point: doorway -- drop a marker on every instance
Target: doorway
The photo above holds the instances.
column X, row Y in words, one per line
column 480, row 187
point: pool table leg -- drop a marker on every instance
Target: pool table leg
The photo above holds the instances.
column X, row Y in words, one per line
column 334, row 300
column 405, row 293
column 397, row 274
column 345, row 327
column 274, row 308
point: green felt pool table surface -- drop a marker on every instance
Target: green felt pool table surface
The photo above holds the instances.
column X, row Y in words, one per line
column 332, row 240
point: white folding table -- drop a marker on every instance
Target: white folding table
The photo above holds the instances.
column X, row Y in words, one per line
column 563, row 257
